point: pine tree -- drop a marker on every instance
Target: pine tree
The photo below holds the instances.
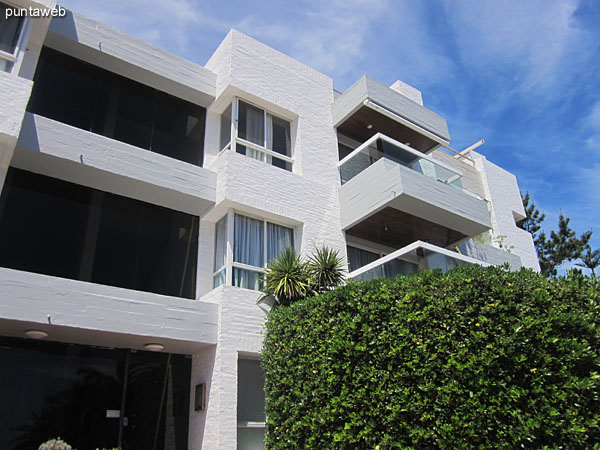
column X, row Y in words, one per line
column 563, row 244
column 590, row 260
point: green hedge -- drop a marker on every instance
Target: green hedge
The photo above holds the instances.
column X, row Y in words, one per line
column 475, row 358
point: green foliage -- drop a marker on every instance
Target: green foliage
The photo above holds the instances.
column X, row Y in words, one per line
column 474, row 358
column 326, row 269
column 288, row 278
column 590, row 260
column 563, row 244
column 55, row 444
column 534, row 217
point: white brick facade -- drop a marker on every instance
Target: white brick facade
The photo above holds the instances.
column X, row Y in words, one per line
column 225, row 322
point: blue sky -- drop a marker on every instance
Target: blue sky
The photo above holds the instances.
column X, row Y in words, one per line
column 521, row 74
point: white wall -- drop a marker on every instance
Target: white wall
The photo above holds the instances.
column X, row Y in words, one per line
column 95, row 314
column 502, row 190
column 307, row 198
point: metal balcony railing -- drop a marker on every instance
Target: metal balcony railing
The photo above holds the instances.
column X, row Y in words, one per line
column 381, row 146
column 417, row 256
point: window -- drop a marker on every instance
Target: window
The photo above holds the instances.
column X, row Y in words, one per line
column 358, row 257
column 220, row 252
column 57, row 228
column 60, row 389
column 85, row 96
column 10, row 32
column 257, row 134
column 254, row 243
column 250, row 405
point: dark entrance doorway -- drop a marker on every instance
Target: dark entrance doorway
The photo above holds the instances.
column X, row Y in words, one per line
column 92, row 397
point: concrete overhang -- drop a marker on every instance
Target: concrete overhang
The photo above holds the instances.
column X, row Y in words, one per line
column 369, row 101
column 55, row 149
column 430, row 206
column 117, row 52
column 94, row 314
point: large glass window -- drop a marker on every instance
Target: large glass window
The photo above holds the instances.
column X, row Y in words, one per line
column 255, row 243
column 62, row 229
column 220, row 271
column 92, row 397
column 358, row 257
column 251, row 405
column 260, row 135
column 85, row 96
column 10, row 30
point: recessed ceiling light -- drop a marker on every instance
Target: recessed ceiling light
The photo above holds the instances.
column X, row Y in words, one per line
column 369, row 126
column 36, row 334
column 153, row 347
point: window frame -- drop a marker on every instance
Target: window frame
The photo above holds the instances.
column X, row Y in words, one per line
column 230, row 264
column 247, row 424
column 235, row 139
column 10, row 60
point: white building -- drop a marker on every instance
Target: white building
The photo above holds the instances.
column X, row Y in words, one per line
column 136, row 215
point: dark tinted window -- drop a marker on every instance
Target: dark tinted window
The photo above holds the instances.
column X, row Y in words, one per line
column 10, row 30
column 58, row 228
column 88, row 97
column 52, row 389
column 66, row 90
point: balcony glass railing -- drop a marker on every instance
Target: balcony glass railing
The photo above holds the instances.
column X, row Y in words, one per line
column 416, row 256
column 381, row 146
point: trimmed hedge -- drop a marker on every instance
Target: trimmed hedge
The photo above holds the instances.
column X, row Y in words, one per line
column 474, row 358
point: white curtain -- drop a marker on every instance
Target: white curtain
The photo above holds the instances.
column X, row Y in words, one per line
column 278, row 239
column 248, row 249
column 255, row 123
column 248, row 241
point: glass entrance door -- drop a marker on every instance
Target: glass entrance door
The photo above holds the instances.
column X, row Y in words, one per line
column 92, row 397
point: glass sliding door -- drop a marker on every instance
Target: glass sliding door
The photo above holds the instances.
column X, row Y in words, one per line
column 57, row 228
column 92, row 397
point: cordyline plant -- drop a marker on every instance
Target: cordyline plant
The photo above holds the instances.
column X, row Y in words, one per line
column 289, row 278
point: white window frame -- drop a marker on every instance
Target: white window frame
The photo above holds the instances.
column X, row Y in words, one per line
column 234, row 139
column 10, row 59
column 246, row 424
column 230, row 264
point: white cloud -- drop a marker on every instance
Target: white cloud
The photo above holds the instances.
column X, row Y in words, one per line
column 328, row 36
column 593, row 119
column 169, row 24
column 533, row 39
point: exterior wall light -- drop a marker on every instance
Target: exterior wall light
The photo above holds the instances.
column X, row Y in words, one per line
column 153, row 347
column 36, row 334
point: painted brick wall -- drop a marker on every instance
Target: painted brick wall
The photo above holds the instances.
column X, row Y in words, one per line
column 307, row 198
column 502, row 191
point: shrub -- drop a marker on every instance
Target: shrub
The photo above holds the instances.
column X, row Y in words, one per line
column 289, row 278
column 55, row 444
column 474, row 358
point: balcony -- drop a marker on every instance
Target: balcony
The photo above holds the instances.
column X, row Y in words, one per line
column 368, row 107
column 412, row 258
column 395, row 195
column 66, row 152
